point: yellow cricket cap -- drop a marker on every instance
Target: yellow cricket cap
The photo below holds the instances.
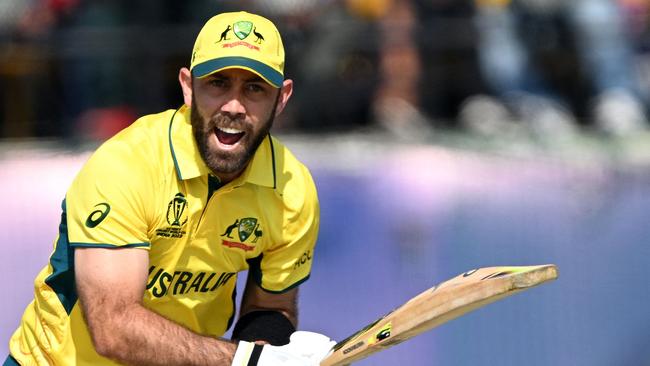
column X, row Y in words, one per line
column 239, row 40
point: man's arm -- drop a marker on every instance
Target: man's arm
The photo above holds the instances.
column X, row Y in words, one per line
column 255, row 299
column 266, row 317
column 111, row 284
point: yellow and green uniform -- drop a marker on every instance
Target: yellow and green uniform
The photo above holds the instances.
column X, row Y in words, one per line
column 148, row 187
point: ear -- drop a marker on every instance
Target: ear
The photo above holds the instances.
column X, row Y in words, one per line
column 185, row 79
column 285, row 94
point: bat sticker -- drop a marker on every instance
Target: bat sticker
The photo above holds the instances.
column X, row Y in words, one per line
column 353, row 347
column 469, row 273
column 348, row 339
column 497, row 274
column 383, row 333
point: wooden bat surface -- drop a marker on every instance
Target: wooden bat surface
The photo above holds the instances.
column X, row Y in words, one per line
column 437, row 305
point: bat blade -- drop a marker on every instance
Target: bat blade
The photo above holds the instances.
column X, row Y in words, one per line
column 437, row 305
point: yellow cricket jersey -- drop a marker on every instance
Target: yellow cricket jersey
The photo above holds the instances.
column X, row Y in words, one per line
column 148, row 187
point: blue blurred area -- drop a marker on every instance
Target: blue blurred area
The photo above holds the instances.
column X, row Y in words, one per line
column 404, row 218
column 431, row 215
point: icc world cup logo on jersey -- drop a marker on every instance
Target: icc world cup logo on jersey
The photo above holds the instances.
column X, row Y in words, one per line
column 176, row 213
column 176, row 218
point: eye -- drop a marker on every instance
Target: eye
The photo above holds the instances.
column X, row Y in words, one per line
column 218, row 83
column 255, row 88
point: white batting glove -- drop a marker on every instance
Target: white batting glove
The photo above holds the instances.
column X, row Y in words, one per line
column 304, row 349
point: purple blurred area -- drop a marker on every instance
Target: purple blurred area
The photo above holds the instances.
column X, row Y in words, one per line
column 396, row 220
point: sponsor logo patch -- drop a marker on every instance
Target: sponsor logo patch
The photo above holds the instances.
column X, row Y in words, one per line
column 304, row 258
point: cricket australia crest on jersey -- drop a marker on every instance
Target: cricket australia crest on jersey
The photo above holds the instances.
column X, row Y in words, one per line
column 247, row 228
column 176, row 218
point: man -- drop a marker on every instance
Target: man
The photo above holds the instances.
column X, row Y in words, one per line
column 162, row 217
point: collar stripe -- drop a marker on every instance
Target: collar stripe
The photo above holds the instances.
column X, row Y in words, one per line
column 171, row 147
column 275, row 183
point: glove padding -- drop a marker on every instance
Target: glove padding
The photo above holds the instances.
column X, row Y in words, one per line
column 304, row 349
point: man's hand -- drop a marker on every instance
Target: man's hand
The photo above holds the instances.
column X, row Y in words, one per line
column 304, row 349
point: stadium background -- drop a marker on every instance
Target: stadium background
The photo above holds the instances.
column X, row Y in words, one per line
column 404, row 205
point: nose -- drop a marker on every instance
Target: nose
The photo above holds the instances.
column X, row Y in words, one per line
column 234, row 105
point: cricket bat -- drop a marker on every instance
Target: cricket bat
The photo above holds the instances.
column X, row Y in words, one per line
column 437, row 305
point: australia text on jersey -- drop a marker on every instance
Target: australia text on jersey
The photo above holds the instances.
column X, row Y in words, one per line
column 182, row 282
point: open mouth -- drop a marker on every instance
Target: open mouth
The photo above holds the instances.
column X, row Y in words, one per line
column 228, row 136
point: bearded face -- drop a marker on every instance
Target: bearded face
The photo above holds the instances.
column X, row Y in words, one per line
column 226, row 140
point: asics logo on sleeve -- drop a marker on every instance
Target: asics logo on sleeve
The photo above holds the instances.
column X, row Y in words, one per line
column 97, row 216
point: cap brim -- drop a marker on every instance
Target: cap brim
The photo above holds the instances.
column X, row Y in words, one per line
column 266, row 72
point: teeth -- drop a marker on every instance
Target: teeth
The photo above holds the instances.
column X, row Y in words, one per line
column 229, row 130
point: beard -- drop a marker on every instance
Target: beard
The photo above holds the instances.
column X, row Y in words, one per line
column 231, row 161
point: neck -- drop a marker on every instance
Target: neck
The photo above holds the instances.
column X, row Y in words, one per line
column 228, row 177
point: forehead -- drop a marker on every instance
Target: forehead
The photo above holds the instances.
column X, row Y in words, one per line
column 235, row 74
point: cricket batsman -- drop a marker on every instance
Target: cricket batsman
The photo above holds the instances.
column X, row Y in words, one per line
column 163, row 216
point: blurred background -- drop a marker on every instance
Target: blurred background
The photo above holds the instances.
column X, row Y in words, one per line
column 442, row 135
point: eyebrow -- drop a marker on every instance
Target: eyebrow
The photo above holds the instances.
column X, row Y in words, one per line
column 255, row 78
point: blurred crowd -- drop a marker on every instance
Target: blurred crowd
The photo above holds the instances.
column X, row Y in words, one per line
column 552, row 68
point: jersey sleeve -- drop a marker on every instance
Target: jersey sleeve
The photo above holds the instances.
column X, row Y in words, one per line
column 105, row 205
column 287, row 263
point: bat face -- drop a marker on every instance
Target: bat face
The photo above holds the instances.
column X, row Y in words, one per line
column 439, row 304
